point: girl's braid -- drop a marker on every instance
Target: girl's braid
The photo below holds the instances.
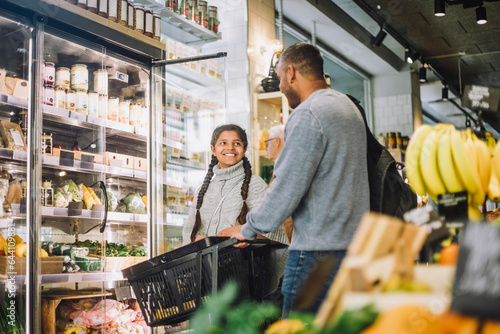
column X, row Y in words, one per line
column 242, row 218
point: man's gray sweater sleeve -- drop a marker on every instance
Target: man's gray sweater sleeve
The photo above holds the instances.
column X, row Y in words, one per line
column 294, row 171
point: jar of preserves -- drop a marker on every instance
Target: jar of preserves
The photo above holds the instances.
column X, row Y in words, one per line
column 102, row 106
column 47, row 143
column 213, row 23
column 183, row 8
column 203, row 14
column 103, row 8
column 81, row 101
column 93, row 103
column 123, row 111
column 60, row 97
column 193, row 10
column 48, row 95
column 63, row 77
column 148, row 23
column 82, row 4
column 113, row 10
column 101, row 81
column 49, row 73
column 79, row 77
column 131, row 14
column 23, row 122
column 92, row 6
column 156, row 26
column 139, row 18
column 70, row 100
column 134, row 114
column 122, row 12
column 113, row 104
column 144, row 117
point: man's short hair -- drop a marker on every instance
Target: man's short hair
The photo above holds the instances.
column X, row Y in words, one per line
column 305, row 58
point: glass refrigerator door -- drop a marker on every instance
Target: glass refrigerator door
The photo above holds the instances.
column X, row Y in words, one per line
column 15, row 50
column 193, row 105
column 93, row 203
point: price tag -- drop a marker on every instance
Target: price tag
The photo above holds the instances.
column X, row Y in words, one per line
column 476, row 290
column 87, row 161
column 79, row 116
column 453, row 207
column 67, row 159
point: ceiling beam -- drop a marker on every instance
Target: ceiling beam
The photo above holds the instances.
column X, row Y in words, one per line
column 337, row 15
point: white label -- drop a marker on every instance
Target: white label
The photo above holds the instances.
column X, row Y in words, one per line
column 157, row 31
column 79, row 77
column 149, row 23
column 113, row 8
column 124, row 7
column 131, row 16
column 60, row 99
column 16, row 136
column 93, row 101
column 92, row 3
column 139, row 19
column 81, row 102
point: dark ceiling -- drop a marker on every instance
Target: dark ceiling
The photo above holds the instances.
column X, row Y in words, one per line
column 461, row 51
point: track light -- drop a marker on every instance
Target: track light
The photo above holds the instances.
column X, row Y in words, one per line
column 444, row 94
column 410, row 57
column 439, row 8
column 377, row 41
column 422, row 75
column 481, row 15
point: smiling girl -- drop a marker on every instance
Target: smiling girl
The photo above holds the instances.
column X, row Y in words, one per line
column 229, row 190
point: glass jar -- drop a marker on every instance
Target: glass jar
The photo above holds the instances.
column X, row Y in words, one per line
column 193, row 10
column 113, row 10
column 92, row 6
column 203, row 14
column 103, row 8
column 47, row 143
column 70, row 100
column 134, row 114
column 213, row 23
column 48, row 95
column 81, row 101
column 113, row 104
column 60, row 97
column 49, row 73
column 63, row 77
column 172, row 5
column 122, row 12
column 102, row 107
column 79, row 77
column 139, row 18
column 156, row 26
column 184, row 8
column 23, row 122
column 148, row 23
column 144, row 117
column 131, row 14
column 93, row 103
column 101, row 81
column 82, row 4
column 124, row 111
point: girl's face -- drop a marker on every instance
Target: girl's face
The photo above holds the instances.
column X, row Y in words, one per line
column 228, row 149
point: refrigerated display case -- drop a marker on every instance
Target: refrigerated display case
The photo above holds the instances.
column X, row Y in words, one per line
column 102, row 162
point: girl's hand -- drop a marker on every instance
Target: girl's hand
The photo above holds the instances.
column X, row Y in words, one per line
column 239, row 236
column 227, row 232
column 200, row 237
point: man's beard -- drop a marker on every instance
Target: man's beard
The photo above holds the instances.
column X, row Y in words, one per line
column 292, row 96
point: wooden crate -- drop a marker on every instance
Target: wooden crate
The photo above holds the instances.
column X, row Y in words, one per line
column 117, row 264
column 49, row 265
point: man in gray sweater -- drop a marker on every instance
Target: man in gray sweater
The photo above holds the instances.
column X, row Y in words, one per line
column 321, row 176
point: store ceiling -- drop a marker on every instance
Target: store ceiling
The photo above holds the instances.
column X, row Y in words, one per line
column 460, row 51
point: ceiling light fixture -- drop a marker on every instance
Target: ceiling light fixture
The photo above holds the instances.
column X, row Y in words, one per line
column 444, row 94
column 408, row 58
column 439, row 8
column 377, row 41
column 481, row 15
column 422, row 75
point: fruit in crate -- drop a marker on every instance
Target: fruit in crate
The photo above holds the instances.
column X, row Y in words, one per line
column 449, row 254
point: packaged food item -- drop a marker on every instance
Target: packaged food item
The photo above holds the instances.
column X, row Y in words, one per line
column 113, row 105
column 63, row 77
column 131, row 14
column 134, row 114
column 48, row 193
column 48, row 95
column 23, row 122
column 79, row 77
column 139, row 18
column 102, row 108
column 12, row 136
column 49, row 73
column 47, row 143
column 172, row 5
column 60, row 97
column 92, row 6
column 82, row 4
column 101, row 81
column 156, row 26
column 81, row 101
column 124, row 111
column 113, row 10
column 184, row 8
column 213, row 22
column 93, row 103
column 122, row 12
column 70, row 100
column 148, row 22
column 203, row 13
column 193, row 10
column 103, row 8
column 144, row 118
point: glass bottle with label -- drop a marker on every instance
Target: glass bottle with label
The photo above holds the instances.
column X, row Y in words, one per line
column 48, row 194
column 131, row 14
column 122, row 12
column 156, row 26
column 148, row 23
column 47, row 143
column 113, row 10
column 103, row 8
column 139, row 18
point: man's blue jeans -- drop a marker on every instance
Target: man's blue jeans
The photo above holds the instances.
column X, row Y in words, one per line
column 298, row 267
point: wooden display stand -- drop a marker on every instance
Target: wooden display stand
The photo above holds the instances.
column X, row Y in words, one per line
column 50, row 302
column 382, row 248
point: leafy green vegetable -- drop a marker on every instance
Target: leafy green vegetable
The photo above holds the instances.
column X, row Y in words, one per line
column 353, row 321
column 70, row 186
column 134, row 204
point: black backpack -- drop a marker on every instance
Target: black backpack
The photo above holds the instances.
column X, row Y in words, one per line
column 389, row 194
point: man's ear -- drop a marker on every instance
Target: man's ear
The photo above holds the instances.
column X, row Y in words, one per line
column 291, row 73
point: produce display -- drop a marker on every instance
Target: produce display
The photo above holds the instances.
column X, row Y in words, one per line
column 441, row 159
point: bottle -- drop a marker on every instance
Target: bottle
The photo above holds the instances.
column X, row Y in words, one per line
column 48, row 193
column 24, row 194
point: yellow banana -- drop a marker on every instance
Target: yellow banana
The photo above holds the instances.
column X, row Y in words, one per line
column 494, row 185
column 475, row 215
column 478, row 197
column 490, row 142
column 412, row 159
column 464, row 166
column 496, row 158
column 429, row 166
column 483, row 161
column 446, row 166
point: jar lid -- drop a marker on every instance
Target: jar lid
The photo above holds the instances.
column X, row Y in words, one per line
column 47, row 184
column 62, row 69
column 59, row 87
column 113, row 97
column 93, row 93
column 49, row 64
column 103, row 95
column 70, row 91
column 79, row 90
column 79, row 65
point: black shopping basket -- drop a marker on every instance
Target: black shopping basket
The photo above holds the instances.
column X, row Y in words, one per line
column 170, row 287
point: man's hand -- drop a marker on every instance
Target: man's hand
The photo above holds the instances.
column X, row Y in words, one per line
column 228, row 231
column 239, row 236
